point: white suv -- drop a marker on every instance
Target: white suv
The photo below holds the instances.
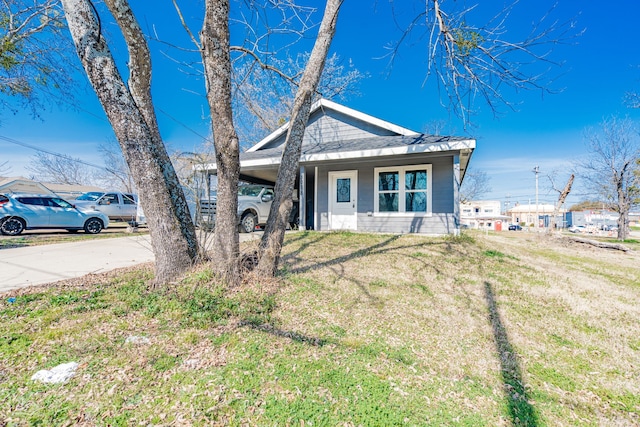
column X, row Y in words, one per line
column 19, row 212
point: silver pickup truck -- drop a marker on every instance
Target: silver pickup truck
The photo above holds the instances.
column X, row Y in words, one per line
column 116, row 205
column 254, row 203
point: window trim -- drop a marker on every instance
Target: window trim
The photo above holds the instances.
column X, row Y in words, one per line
column 402, row 191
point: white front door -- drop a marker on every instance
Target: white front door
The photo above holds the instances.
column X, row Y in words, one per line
column 343, row 200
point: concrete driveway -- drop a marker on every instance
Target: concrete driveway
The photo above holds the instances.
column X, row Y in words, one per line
column 34, row 265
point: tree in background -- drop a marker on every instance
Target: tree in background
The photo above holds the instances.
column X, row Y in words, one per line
column 130, row 111
column 611, row 168
column 589, row 205
column 115, row 174
column 264, row 97
column 562, row 197
column 474, row 186
column 34, row 53
column 60, row 169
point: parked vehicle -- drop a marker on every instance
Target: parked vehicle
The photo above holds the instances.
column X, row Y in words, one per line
column 254, row 204
column 578, row 229
column 116, row 205
column 515, row 227
column 19, row 212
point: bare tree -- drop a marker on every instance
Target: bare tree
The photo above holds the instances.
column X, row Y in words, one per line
column 116, row 173
column 263, row 98
column 131, row 114
column 34, row 53
column 611, row 168
column 60, row 169
column 474, row 186
column 470, row 61
column 562, row 196
column 273, row 237
column 632, row 98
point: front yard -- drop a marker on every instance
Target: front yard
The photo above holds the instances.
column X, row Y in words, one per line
column 360, row 329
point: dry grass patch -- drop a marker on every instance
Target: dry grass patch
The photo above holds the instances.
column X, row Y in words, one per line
column 359, row 329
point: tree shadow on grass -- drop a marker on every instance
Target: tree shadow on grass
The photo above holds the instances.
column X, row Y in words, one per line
column 292, row 335
column 522, row 413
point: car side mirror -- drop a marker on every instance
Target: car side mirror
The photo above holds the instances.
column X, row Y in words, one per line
column 267, row 197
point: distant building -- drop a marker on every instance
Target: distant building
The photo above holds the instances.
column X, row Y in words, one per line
column 483, row 215
column 595, row 218
column 526, row 215
column 24, row 185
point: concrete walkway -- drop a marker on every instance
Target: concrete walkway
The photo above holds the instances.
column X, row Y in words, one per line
column 34, row 265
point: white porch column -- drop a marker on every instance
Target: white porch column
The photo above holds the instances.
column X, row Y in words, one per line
column 456, row 193
column 302, row 199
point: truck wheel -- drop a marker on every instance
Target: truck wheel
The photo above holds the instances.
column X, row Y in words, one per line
column 248, row 223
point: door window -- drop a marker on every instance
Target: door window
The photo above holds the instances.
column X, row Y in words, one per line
column 343, row 187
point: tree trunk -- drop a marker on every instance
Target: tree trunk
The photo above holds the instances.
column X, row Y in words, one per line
column 561, row 199
column 217, row 65
column 172, row 233
column 624, row 198
column 271, row 243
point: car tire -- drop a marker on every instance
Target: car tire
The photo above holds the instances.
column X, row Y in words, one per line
column 248, row 223
column 93, row 226
column 12, row 226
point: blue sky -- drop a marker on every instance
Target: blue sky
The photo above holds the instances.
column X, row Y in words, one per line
column 546, row 130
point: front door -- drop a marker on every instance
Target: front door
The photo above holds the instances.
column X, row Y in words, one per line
column 343, row 200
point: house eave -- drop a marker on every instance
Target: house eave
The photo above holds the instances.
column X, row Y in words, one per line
column 465, row 146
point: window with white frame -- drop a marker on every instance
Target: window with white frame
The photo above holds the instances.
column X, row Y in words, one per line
column 403, row 190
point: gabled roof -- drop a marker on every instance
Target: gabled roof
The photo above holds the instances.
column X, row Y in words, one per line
column 325, row 104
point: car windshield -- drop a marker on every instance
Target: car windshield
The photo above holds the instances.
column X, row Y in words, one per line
column 91, row 196
column 250, row 190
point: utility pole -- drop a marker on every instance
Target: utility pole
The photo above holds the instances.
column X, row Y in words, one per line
column 536, row 170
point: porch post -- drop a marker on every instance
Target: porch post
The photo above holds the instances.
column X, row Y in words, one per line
column 302, row 199
column 456, row 194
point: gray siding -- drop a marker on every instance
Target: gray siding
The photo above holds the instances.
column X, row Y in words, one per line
column 442, row 220
column 328, row 126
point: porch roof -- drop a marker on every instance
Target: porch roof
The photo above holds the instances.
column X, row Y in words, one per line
column 369, row 147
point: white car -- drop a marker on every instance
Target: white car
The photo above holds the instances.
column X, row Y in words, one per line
column 19, row 212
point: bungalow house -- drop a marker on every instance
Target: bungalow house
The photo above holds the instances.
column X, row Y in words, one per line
column 361, row 173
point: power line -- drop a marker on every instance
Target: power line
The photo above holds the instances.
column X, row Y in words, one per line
column 52, row 153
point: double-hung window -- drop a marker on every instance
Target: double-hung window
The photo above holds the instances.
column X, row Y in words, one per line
column 403, row 190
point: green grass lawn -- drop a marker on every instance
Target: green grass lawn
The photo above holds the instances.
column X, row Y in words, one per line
column 358, row 330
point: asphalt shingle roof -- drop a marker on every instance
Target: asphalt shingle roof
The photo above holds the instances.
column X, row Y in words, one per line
column 369, row 143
